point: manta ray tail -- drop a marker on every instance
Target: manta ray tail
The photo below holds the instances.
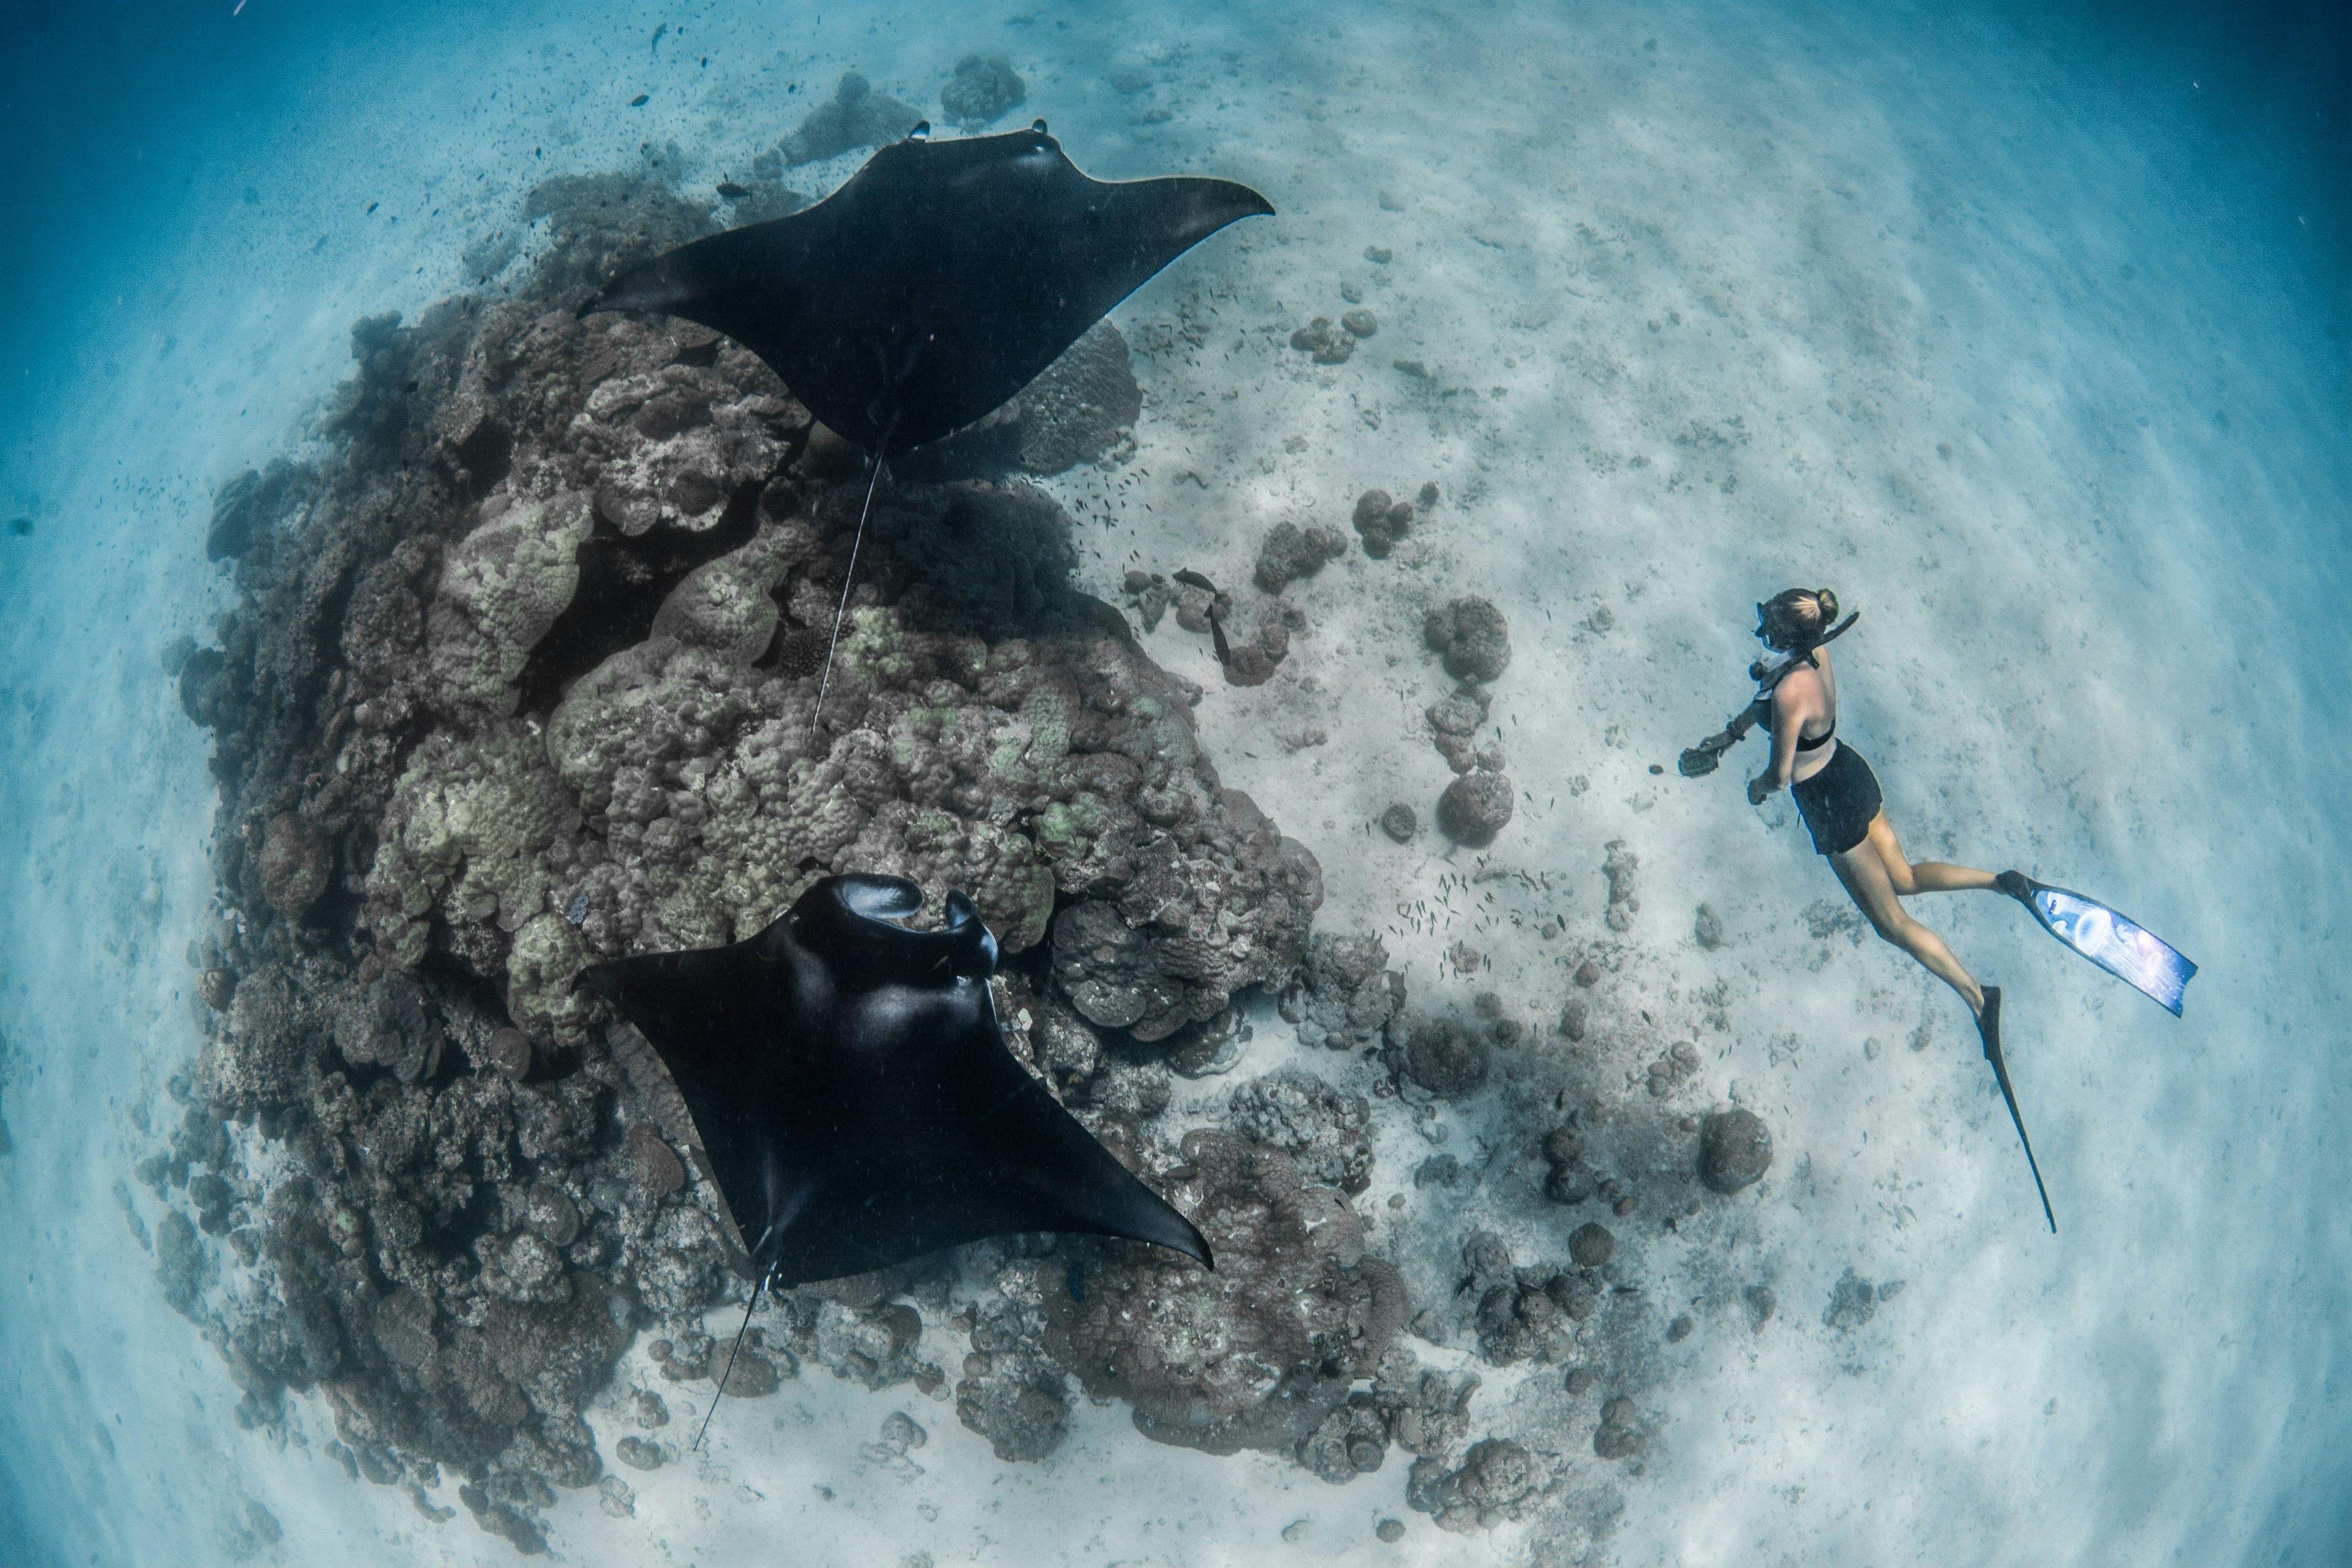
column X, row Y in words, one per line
column 718, row 1393
column 849, row 577
column 2116, row 945
column 1988, row 1029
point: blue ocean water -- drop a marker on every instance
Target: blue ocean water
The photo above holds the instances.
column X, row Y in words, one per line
column 2027, row 329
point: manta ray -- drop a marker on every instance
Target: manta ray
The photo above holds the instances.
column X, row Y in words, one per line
column 841, row 1080
column 933, row 285
column 849, row 1090
column 936, row 282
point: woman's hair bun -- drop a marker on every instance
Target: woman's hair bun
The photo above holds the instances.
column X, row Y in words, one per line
column 1829, row 607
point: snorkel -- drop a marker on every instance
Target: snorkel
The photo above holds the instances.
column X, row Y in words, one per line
column 1767, row 671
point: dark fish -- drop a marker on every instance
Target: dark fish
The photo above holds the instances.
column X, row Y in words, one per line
column 640, row 101
column 1192, row 579
column 20, row 526
column 733, row 191
column 1217, row 638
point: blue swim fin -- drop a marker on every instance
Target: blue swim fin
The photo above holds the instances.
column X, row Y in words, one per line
column 2117, row 945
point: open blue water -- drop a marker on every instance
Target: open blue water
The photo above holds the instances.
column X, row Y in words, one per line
column 2028, row 329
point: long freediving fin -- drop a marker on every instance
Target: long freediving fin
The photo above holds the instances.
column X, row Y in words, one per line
column 1988, row 1029
column 2120, row 946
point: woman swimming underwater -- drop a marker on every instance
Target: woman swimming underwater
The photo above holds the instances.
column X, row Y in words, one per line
column 1838, row 796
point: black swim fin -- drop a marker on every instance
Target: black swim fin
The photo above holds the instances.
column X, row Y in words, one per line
column 1988, row 1030
column 2116, row 945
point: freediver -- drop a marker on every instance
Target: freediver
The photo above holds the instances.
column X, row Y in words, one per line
column 1839, row 798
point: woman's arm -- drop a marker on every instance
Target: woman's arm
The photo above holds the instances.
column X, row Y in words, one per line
column 1787, row 720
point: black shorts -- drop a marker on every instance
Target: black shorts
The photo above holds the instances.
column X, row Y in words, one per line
column 1839, row 801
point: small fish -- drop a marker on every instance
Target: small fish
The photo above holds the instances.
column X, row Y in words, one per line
column 733, row 191
column 1192, row 579
column 20, row 526
column 641, row 100
column 658, row 33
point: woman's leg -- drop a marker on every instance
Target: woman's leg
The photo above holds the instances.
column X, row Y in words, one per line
column 1866, row 877
column 1928, row 876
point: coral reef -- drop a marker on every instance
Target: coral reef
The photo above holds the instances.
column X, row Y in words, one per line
column 1528, row 1314
column 1625, row 901
column 1082, row 406
column 1251, row 660
column 1569, row 1181
column 1167, row 927
column 1620, row 1435
column 1855, row 1300
column 253, row 500
column 1291, row 552
column 1735, row 1150
column 854, row 116
column 981, row 91
column 522, row 674
column 1323, row 1131
column 1329, row 345
column 1262, row 1352
column 1470, row 634
column 1476, row 806
column 1453, row 724
column 295, row 864
column 1011, row 1393
column 1427, row 1411
column 1442, row 1054
column 1382, row 522
column 1498, row 1481
column 1672, row 1068
column 1345, row 994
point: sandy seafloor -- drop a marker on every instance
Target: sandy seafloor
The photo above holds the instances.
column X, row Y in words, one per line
column 1712, row 299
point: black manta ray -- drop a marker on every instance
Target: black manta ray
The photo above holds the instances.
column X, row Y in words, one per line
column 844, row 1086
column 936, row 282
